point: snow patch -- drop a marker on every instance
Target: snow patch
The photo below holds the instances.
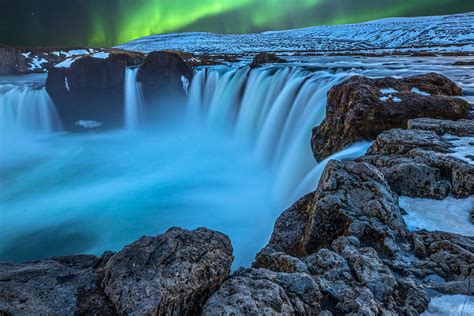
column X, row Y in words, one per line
column 453, row 305
column 388, row 91
column 100, row 55
column 67, row 62
column 449, row 215
column 396, row 99
column 36, row 63
column 417, row 91
column 27, row 55
column 463, row 147
column 384, row 99
column 88, row 124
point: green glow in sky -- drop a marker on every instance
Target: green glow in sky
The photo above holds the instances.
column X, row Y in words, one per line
column 110, row 22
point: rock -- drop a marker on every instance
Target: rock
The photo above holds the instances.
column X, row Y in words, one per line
column 11, row 61
column 464, row 63
column 59, row 286
column 361, row 108
column 263, row 292
column 91, row 89
column 265, row 58
column 164, row 75
column 173, row 273
column 440, row 127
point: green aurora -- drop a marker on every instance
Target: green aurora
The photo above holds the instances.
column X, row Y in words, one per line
column 110, row 22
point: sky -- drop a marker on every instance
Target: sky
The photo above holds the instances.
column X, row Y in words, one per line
column 106, row 23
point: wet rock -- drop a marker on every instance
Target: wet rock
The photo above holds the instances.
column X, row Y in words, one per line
column 164, row 74
column 265, row 58
column 173, row 273
column 91, row 89
column 361, row 108
column 61, row 286
column 440, row 127
column 11, row 61
column 263, row 292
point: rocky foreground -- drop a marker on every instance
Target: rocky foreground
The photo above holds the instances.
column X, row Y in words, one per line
column 342, row 249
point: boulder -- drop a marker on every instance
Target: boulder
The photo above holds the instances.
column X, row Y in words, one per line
column 91, row 89
column 361, row 108
column 11, row 61
column 265, row 58
column 172, row 274
column 264, row 292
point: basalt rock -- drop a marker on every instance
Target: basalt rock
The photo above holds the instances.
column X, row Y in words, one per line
column 360, row 108
column 264, row 292
column 91, row 89
column 172, row 274
column 265, row 58
column 11, row 61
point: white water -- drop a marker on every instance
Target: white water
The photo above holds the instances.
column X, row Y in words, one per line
column 24, row 110
column 133, row 99
column 273, row 111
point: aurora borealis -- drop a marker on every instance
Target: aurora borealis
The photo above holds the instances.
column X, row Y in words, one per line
column 110, row 22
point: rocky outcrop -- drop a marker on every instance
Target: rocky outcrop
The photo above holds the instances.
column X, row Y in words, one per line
column 422, row 161
column 173, row 273
column 360, row 108
column 91, row 88
column 166, row 74
column 265, row 58
column 11, row 61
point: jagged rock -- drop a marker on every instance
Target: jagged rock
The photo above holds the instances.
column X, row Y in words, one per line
column 263, row 292
column 173, row 273
column 165, row 74
column 265, row 58
column 91, row 89
column 59, row 286
column 361, row 108
column 11, row 61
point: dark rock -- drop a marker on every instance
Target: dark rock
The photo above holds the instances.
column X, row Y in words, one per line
column 91, row 89
column 440, row 127
column 164, row 74
column 265, row 58
column 263, row 292
column 464, row 63
column 356, row 108
column 11, row 61
column 173, row 273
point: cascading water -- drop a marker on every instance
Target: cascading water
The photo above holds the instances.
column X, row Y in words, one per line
column 24, row 109
column 133, row 99
column 273, row 110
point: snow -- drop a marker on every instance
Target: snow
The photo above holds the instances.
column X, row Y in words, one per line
column 417, row 91
column 449, row 33
column 449, row 215
column 67, row 62
column 27, row 55
column 463, row 147
column 388, row 91
column 88, row 123
column 36, row 63
column 396, row 99
column 384, row 99
column 100, row 55
column 185, row 83
column 453, row 305
column 66, row 84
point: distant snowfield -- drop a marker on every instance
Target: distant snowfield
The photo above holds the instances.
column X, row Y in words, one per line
column 439, row 34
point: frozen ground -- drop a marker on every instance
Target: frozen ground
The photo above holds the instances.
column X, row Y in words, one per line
column 449, row 215
column 450, row 33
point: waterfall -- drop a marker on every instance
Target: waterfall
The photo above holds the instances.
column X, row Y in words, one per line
column 25, row 109
column 273, row 110
column 133, row 99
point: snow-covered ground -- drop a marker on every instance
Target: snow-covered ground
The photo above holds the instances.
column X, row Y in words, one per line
column 452, row 305
column 450, row 33
column 449, row 215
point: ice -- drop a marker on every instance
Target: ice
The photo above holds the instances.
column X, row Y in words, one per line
column 88, row 124
column 463, row 147
column 417, row 91
column 388, row 91
column 453, row 305
column 66, row 84
column 449, row 215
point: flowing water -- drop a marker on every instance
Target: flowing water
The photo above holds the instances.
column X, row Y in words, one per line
column 239, row 156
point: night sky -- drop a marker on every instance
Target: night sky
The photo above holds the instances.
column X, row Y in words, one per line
column 110, row 22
